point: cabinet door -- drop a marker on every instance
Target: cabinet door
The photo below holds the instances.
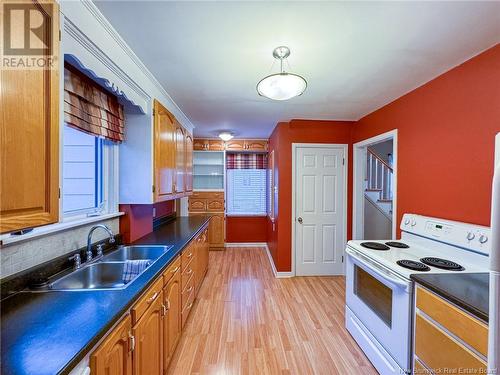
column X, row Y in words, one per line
column 189, row 162
column 29, row 135
column 114, row 356
column 216, row 231
column 148, row 334
column 164, row 153
column 180, row 162
column 197, row 204
column 172, row 319
column 256, row 145
column 235, row 145
column 215, row 205
column 200, row 144
column 216, row 145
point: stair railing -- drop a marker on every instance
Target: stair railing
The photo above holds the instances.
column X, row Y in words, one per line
column 379, row 175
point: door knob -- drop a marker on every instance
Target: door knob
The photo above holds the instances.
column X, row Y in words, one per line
column 299, row 219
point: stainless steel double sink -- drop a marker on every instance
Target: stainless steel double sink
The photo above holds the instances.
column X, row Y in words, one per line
column 108, row 272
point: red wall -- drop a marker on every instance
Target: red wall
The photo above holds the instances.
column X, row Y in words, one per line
column 246, row 229
column 299, row 131
column 138, row 218
column 446, row 132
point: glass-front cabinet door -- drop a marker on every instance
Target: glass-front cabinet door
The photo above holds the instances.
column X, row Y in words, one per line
column 208, row 170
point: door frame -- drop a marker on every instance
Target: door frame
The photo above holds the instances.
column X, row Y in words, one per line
column 359, row 164
column 345, row 148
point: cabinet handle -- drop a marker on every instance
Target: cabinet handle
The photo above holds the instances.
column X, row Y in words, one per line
column 152, row 298
column 163, row 310
column 132, row 342
column 190, row 255
column 175, row 269
column 168, row 304
column 189, row 289
column 189, row 272
column 190, row 305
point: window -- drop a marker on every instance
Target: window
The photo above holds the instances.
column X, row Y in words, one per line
column 85, row 160
column 246, row 184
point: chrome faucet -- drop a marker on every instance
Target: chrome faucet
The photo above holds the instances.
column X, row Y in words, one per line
column 99, row 247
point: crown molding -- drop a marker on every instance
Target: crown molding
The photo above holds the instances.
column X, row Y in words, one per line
column 99, row 17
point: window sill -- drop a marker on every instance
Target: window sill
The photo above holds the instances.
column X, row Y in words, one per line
column 8, row 239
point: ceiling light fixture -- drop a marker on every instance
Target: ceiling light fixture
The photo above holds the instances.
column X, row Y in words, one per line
column 226, row 136
column 281, row 86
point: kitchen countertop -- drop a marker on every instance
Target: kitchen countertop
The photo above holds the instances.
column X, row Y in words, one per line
column 470, row 291
column 51, row 332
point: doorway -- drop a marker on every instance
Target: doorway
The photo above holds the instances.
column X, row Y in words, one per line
column 375, row 187
column 319, row 208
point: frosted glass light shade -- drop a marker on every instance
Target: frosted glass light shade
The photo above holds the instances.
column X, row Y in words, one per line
column 281, row 86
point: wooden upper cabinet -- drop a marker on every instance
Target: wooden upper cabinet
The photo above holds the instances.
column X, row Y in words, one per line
column 164, row 152
column 200, row 144
column 188, row 177
column 114, row 355
column 235, row 145
column 29, row 137
column 256, row 145
column 180, row 156
column 148, row 334
column 216, row 145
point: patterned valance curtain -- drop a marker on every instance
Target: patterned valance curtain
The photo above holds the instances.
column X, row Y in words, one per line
column 89, row 108
column 246, row 161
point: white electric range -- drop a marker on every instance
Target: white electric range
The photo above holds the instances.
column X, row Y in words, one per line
column 379, row 290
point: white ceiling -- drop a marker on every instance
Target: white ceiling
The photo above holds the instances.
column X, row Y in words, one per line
column 356, row 56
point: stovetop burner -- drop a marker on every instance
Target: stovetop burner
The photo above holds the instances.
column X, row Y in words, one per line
column 399, row 245
column 413, row 265
column 442, row 263
column 375, row 246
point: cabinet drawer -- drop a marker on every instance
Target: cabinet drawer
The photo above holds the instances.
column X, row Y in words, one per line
column 151, row 295
column 187, row 255
column 455, row 320
column 188, row 293
column 215, row 205
column 187, row 274
column 186, row 307
column 441, row 352
column 171, row 270
column 197, row 204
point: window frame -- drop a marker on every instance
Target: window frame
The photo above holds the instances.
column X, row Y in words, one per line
column 108, row 178
column 246, row 214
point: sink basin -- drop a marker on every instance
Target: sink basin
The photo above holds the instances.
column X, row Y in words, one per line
column 135, row 253
column 94, row 276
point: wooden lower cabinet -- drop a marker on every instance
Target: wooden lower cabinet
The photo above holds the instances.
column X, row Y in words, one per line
column 114, row 355
column 216, row 235
column 148, row 336
column 172, row 326
column 145, row 340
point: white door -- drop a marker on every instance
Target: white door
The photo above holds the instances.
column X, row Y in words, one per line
column 319, row 210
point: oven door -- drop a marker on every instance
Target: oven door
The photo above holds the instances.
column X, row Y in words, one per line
column 382, row 302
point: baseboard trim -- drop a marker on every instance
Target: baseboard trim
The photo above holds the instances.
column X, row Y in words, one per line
column 245, row 244
column 278, row 275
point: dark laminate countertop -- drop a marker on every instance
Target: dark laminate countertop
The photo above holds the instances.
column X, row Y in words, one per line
column 51, row 332
column 470, row 291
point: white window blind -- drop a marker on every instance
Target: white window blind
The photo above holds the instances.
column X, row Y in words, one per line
column 82, row 171
column 246, row 191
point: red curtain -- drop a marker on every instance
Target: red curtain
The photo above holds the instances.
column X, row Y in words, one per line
column 246, row 161
column 89, row 108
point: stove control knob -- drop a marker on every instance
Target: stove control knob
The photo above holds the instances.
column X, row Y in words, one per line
column 413, row 222
column 483, row 238
column 470, row 236
column 407, row 221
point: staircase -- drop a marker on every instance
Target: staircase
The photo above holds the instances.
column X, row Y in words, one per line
column 379, row 183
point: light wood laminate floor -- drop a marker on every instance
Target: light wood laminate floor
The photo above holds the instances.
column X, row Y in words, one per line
column 245, row 321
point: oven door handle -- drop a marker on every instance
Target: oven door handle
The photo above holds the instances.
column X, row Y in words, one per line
column 376, row 270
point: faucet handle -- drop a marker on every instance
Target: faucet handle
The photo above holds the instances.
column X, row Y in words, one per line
column 111, row 239
column 78, row 260
column 99, row 250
